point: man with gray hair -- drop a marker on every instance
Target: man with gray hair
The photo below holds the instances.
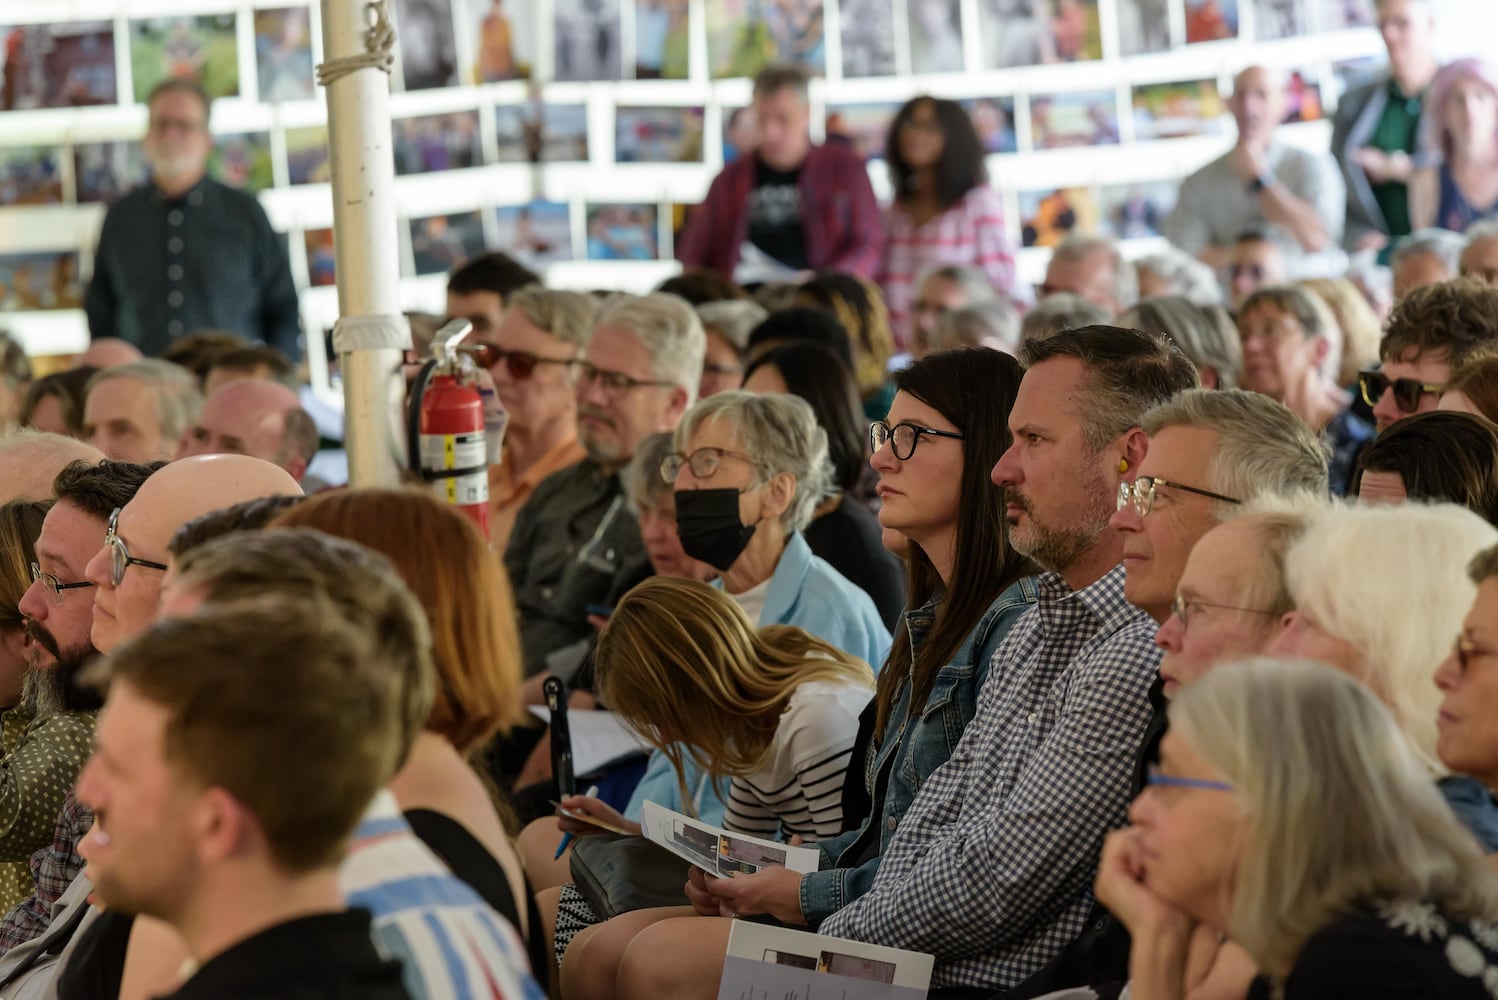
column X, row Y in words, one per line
column 576, row 533
column 533, row 353
column 1060, row 311
column 1480, row 256
column 30, row 461
column 1425, row 257
column 1092, row 268
column 139, row 412
column 938, row 291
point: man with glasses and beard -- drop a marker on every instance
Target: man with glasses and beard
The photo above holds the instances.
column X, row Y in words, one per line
column 58, row 616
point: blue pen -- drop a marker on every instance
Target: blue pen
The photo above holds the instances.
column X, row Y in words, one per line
column 592, row 792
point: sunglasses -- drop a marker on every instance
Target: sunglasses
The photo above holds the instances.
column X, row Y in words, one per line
column 1407, row 391
column 519, row 365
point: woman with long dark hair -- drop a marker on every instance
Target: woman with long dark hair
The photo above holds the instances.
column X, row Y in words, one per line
column 944, row 211
column 943, row 434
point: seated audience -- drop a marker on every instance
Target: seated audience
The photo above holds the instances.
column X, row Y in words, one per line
column 108, row 352
column 1443, row 456
column 1175, row 272
column 1362, row 886
column 481, row 289
column 1391, row 638
column 15, row 379
column 700, row 286
column 1254, row 262
column 251, row 806
column 1058, row 313
column 968, row 588
column 796, row 323
column 1480, row 254
column 1093, row 268
column 532, row 353
column 944, row 212
column 1284, row 346
column 727, row 325
column 20, row 524
column 54, row 403
column 843, row 531
column 254, row 417
column 858, row 306
column 250, row 361
column 1295, row 198
column 30, row 461
column 992, row 325
column 196, row 352
column 1464, row 728
column 1355, row 318
column 1461, row 121
column 938, row 291
column 1425, row 257
column 138, row 412
column 574, row 534
column 1204, row 333
column 1472, row 386
column 791, row 207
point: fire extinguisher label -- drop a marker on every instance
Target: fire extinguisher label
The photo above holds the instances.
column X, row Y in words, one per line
column 463, row 490
column 441, row 452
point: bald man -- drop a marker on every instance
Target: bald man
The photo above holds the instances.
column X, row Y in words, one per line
column 109, row 352
column 1294, row 197
column 255, row 417
column 30, row 461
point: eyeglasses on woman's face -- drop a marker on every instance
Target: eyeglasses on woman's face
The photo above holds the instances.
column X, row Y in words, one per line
column 120, row 558
column 704, row 463
column 903, row 437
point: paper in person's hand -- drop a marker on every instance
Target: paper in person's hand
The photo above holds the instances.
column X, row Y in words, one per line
column 597, row 821
column 766, row 962
column 718, row 852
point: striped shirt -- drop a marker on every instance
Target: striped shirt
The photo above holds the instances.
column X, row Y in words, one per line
column 453, row 945
column 799, row 787
column 971, row 232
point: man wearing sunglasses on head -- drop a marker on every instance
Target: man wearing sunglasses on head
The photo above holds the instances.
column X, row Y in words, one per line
column 533, row 356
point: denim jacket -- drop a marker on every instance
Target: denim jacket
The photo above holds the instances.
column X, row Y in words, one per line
column 911, row 750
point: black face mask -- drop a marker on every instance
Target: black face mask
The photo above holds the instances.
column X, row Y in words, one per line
column 707, row 522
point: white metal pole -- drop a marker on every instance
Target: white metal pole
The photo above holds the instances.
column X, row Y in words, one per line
column 371, row 328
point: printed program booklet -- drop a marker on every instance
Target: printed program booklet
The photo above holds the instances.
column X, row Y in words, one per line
column 719, row 852
column 766, row 962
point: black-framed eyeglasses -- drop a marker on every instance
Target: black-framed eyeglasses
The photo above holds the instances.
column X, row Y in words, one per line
column 613, row 382
column 903, row 437
column 703, row 462
column 1155, row 778
column 1407, row 391
column 53, row 585
column 1182, row 609
column 1141, row 492
column 120, row 558
column 519, row 365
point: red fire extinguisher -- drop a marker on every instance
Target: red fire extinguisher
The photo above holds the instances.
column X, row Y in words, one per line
column 447, row 443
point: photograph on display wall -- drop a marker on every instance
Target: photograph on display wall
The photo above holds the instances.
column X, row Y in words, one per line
column 283, row 54
column 868, row 30
column 1303, row 98
column 102, row 171
column 1030, row 32
column 587, row 39
column 1143, row 26
column 658, row 135
column 542, row 133
column 30, row 175
column 745, row 36
column 1174, row 110
column 536, row 234
column 503, row 34
column 242, row 160
column 440, row 243
column 1087, row 118
column 1279, row 19
column 202, row 49
column 1211, row 20
column 46, row 279
column 663, row 39
column 740, row 133
column 935, row 35
column 1136, row 211
column 428, row 54
column 437, row 142
column 1339, row 14
column 993, row 120
column 863, row 126
column 623, row 232
column 308, row 159
column 320, row 258
column 57, row 65
column 1048, row 217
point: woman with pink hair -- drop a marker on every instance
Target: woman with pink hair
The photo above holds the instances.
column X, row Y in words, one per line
column 1461, row 120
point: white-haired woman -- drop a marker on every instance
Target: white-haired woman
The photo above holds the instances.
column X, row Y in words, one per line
column 1288, row 814
column 1379, row 593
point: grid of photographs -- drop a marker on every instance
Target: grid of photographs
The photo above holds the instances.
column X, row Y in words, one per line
column 40, row 280
column 57, row 65
column 658, row 135
column 200, row 48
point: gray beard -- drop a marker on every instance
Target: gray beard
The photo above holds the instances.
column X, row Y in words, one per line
column 57, row 689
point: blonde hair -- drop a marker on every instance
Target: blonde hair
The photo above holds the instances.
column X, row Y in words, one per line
column 1361, row 330
column 1340, row 814
column 681, row 661
column 1342, row 574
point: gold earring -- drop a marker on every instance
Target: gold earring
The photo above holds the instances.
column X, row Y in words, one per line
column 1123, row 465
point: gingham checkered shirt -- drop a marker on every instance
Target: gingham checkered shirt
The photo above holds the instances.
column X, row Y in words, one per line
column 990, row 870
